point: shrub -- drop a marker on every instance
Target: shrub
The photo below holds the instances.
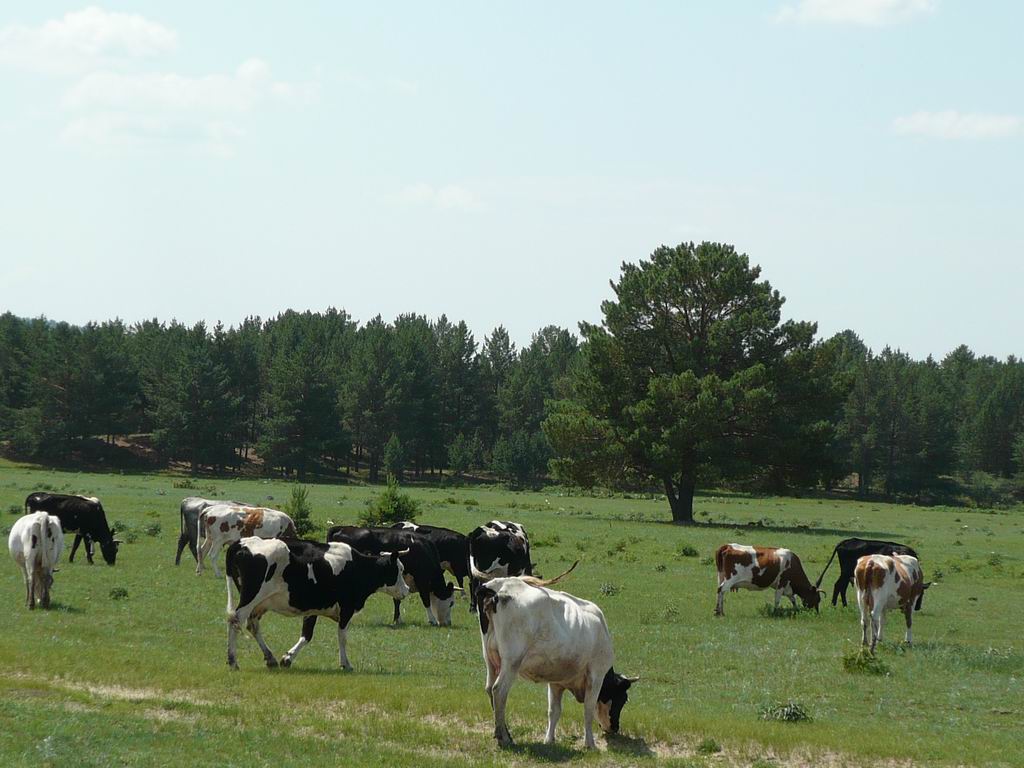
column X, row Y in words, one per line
column 153, row 529
column 118, row 593
column 300, row 510
column 788, row 712
column 610, row 590
column 394, row 458
column 15, row 509
column 709, row 747
column 686, row 550
column 862, row 661
column 391, row 506
column 187, row 484
column 660, row 568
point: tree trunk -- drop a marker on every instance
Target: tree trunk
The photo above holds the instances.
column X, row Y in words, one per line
column 680, row 499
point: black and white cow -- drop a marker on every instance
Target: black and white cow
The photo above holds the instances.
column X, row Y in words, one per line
column 452, row 548
column 81, row 515
column 850, row 551
column 423, row 572
column 191, row 508
column 498, row 548
column 303, row 578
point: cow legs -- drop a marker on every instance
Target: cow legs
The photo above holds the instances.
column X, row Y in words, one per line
column 425, row 599
column 88, row 548
column 492, row 675
column 502, row 686
column 182, row 541
column 308, row 625
column 30, row 593
column 233, row 641
column 720, row 602
column 343, row 620
column 909, row 613
column 589, row 708
column 254, row 629
column 554, row 710
column 74, row 547
column 398, row 611
column 839, row 590
column 877, row 620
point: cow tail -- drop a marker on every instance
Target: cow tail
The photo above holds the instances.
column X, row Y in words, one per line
column 38, row 564
column 864, row 580
column 834, row 551
column 229, row 563
column 200, row 528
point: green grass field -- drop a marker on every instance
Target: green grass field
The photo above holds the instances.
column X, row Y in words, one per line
column 142, row 679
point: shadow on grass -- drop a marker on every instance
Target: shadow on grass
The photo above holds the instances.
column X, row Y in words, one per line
column 757, row 525
column 64, row 608
column 546, row 753
column 628, row 745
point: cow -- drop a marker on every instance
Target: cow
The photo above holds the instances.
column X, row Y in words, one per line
column 191, row 508
column 497, row 548
column 851, row 550
column 546, row 636
column 884, row 582
column 743, row 567
column 421, row 562
column 36, row 541
column 452, row 547
column 224, row 523
column 303, row 578
column 81, row 515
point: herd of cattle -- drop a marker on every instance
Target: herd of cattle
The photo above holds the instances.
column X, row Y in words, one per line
column 527, row 630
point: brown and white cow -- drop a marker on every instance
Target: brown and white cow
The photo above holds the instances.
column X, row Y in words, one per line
column 743, row 567
column 222, row 524
column 884, row 582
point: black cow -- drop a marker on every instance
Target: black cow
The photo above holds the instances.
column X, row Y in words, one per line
column 303, row 578
column 850, row 551
column 452, row 548
column 81, row 515
column 191, row 508
column 422, row 565
column 498, row 548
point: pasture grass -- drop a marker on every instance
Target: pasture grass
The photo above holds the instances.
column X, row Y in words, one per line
column 130, row 665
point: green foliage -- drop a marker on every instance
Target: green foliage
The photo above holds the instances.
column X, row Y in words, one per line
column 152, row 529
column 300, row 510
column 389, row 507
column 785, row 712
column 708, row 746
column 864, row 662
column 118, row 593
column 520, row 458
column 394, row 458
column 687, row 550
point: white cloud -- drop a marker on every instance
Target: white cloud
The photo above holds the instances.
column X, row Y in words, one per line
column 862, row 12
column 958, row 125
column 448, row 196
column 135, row 109
column 82, row 40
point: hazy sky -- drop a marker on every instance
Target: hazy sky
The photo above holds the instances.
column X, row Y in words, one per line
column 498, row 162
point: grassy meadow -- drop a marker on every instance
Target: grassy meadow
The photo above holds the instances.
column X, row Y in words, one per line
column 130, row 667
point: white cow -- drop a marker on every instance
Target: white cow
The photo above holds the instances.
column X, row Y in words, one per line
column 224, row 523
column 884, row 582
column 551, row 637
column 36, row 542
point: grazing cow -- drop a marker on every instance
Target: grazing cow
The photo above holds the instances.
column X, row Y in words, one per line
column 36, row 542
column 743, row 567
column 191, row 508
column 303, row 578
column 81, row 515
column 452, row 548
column 224, row 523
column 884, row 582
column 497, row 549
column 546, row 636
column 849, row 552
column 421, row 562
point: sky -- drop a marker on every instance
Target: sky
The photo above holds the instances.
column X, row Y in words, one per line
column 499, row 162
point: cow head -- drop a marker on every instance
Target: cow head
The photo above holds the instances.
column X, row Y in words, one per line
column 812, row 598
column 612, row 699
column 394, row 574
column 109, row 550
column 442, row 603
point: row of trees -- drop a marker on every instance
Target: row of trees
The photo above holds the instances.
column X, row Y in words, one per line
column 303, row 392
column 691, row 379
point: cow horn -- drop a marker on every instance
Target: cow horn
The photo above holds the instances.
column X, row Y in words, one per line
column 457, row 589
column 533, row 581
column 403, row 552
column 629, row 679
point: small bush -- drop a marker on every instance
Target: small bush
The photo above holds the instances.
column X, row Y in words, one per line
column 660, row 568
column 687, row 550
column 707, row 561
column 763, row 762
column 769, row 611
column 788, row 712
column 187, row 484
column 153, row 529
column 300, row 510
column 995, row 560
column 390, row 507
column 130, row 536
column 864, row 662
column 118, row 526
column 15, row 509
column 118, row 593
column 609, row 590
column 709, row 747
column 471, row 503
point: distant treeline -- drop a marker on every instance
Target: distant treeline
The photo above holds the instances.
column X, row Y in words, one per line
column 317, row 393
